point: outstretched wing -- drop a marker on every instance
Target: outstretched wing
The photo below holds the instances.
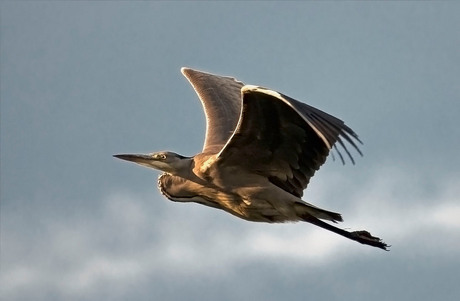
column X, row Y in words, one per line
column 283, row 139
column 221, row 100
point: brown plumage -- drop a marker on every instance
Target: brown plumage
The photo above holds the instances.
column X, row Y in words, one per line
column 260, row 151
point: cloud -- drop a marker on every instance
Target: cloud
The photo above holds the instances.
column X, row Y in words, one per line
column 400, row 204
column 131, row 237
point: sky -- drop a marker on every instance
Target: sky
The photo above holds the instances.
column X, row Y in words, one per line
column 81, row 81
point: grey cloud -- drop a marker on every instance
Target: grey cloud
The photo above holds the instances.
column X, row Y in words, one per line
column 132, row 240
column 81, row 81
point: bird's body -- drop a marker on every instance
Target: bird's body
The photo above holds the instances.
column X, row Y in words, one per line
column 252, row 198
column 260, row 151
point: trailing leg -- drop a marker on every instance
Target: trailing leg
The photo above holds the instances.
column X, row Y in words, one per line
column 363, row 236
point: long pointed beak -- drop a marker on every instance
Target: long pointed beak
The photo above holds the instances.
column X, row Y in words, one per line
column 136, row 158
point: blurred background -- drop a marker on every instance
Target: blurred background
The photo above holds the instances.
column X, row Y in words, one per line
column 81, row 81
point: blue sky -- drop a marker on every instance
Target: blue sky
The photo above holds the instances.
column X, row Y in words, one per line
column 81, row 81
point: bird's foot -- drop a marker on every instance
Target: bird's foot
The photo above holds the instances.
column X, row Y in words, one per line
column 366, row 238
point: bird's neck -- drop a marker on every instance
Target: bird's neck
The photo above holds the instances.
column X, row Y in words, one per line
column 185, row 169
column 182, row 168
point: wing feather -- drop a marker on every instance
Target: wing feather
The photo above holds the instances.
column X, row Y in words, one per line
column 283, row 139
column 221, row 100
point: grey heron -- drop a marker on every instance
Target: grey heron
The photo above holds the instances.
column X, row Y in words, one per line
column 260, row 151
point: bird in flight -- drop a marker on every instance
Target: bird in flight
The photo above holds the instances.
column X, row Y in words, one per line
column 260, row 151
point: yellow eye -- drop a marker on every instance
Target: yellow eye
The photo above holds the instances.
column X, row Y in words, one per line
column 159, row 156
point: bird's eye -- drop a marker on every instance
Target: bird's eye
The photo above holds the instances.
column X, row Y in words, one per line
column 159, row 156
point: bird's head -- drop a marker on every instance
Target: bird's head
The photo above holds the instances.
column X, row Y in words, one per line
column 165, row 161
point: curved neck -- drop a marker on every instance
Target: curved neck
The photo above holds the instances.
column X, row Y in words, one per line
column 186, row 169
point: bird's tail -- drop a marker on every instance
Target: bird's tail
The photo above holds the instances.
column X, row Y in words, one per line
column 304, row 208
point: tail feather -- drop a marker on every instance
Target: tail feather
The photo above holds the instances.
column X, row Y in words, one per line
column 309, row 209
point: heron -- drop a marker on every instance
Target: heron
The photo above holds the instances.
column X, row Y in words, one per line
column 260, row 151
